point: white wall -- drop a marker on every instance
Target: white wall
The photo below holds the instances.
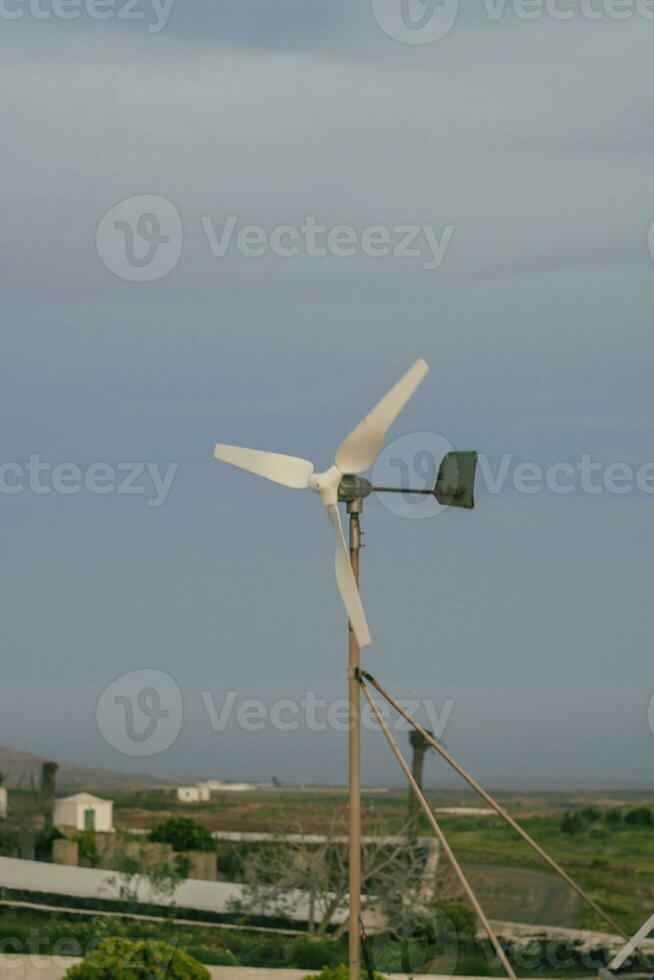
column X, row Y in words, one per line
column 65, row 814
column 206, row 896
column 104, row 816
column 3, row 802
column 189, row 794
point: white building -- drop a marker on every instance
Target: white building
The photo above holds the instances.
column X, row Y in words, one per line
column 3, row 802
column 84, row 812
column 218, row 786
column 193, row 794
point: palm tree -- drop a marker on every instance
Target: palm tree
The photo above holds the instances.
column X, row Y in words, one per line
column 420, row 747
column 48, row 790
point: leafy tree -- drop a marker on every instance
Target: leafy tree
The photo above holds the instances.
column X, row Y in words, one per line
column 572, row 823
column 591, row 814
column 16, row 839
column 613, row 817
column 183, row 834
column 43, row 841
column 641, row 817
column 122, row 959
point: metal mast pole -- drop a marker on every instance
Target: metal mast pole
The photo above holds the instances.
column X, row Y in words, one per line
column 354, row 508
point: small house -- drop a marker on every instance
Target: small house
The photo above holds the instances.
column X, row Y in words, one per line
column 3, row 802
column 84, row 812
column 193, row 794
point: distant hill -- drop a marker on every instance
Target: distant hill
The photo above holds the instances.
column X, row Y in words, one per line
column 21, row 768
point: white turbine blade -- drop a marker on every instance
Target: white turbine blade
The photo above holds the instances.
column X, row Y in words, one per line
column 361, row 448
column 287, row 470
column 347, row 583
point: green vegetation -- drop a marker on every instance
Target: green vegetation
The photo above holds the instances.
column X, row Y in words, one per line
column 183, row 834
column 613, row 858
column 43, row 840
column 16, row 841
column 576, row 821
column 120, row 959
column 445, row 939
column 572, row 823
column 642, row 817
column 88, row 852
column 24, row 931
column 605, row 845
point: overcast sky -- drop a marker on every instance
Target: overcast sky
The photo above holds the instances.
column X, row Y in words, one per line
column 525, row 148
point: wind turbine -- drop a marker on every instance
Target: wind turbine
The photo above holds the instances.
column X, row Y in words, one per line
column 342, row 482
column 355, row 455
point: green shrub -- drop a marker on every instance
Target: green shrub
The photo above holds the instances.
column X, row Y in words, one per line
column 15, row 840
column 229, row 861
column 462, row 918
column 88, row 851
column 613, row 817
column 183, row 834
column 212, row 957
column 572, row 823
column 590, row 813
column 313, row 954
column 414, row 940
column 120, row 959
column 641, row 817
column 43, row 842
